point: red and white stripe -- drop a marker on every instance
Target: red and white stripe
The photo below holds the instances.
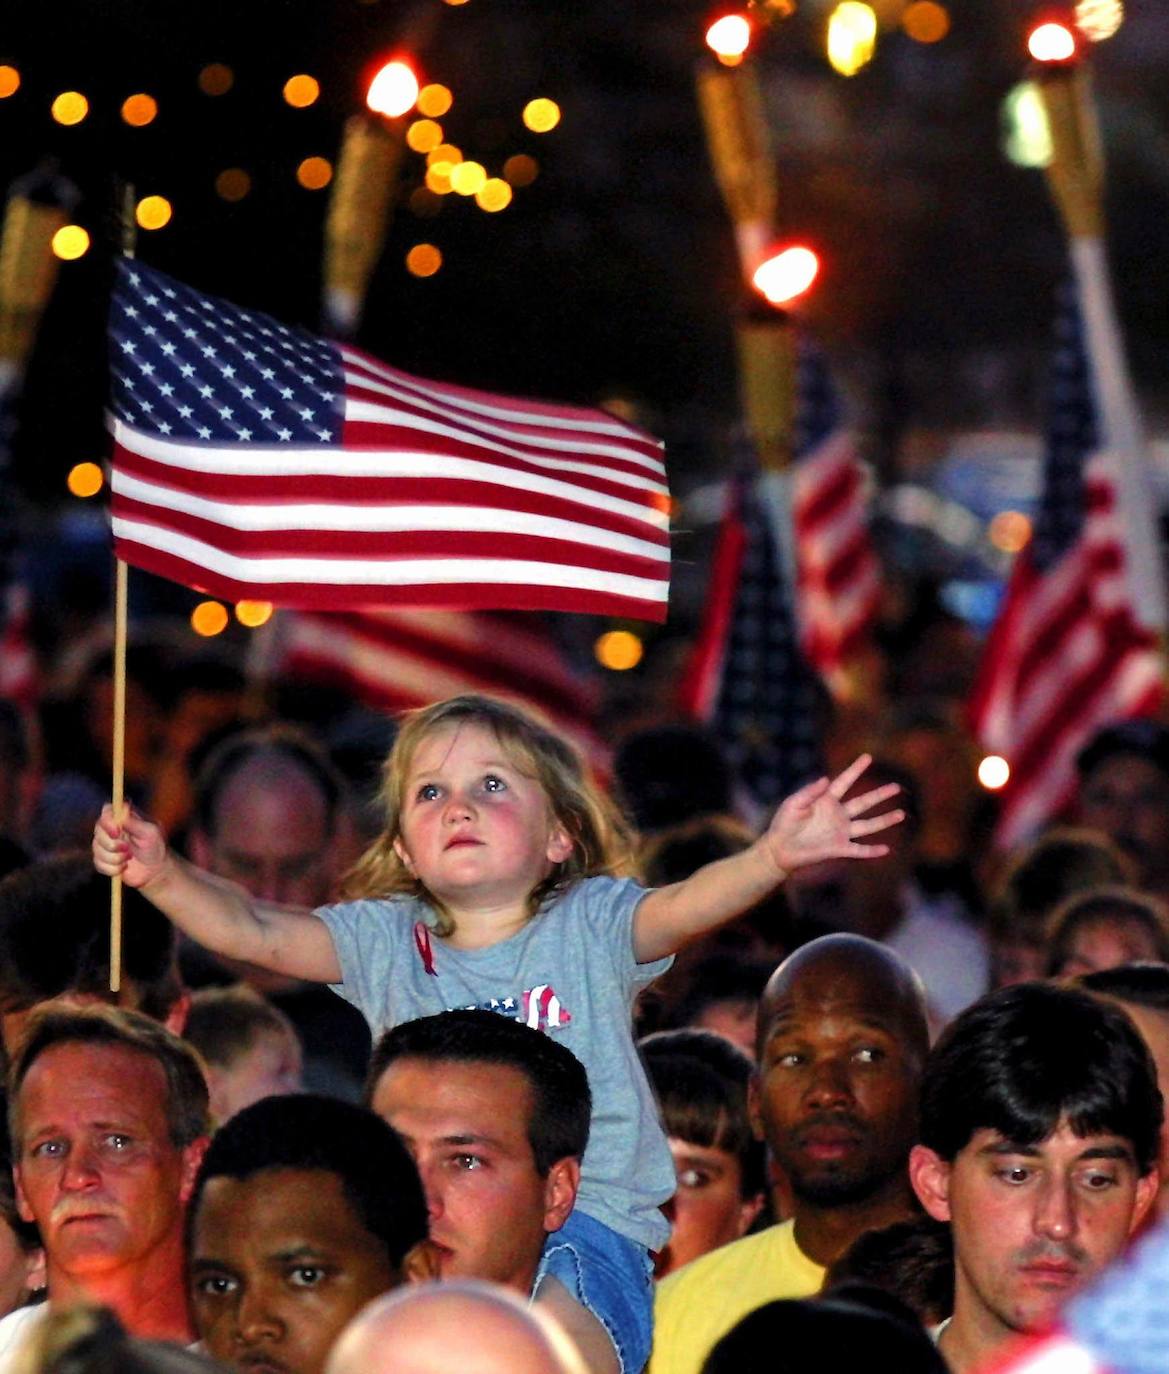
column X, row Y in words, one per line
column 437, row 496
column 838, row 575
column 398, row 660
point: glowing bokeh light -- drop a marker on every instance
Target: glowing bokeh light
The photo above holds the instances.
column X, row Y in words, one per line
column 1051, row 42
column 444, row 152
column 468, row 178
column 521, row 170
column 423, row 260
column 301, row 91
column 70, row 107
column 434, row 100
column 85, row 480
column 9, row 82
column 1027, row 140
column 852, row 37
column 393, row 90
column 153, row 212
column 729, row 36
column 1099, row 19
column 315, row 173
column 495, row 195
column 438, row 178
column 139, row 110
column 787, row 275
column 217, row 78
column 618, row 650
column 1009, row 531
column 70, row 241
column 233, row 183
column 253, row 614
column 925, row 21
column 541, row 115
column 423, row 135
column 209, row 618
column 994, row 772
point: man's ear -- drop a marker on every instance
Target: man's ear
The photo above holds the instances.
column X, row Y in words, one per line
column 929, row 1174
column 1147, row 1190
column 755, row 1105
column 560, row 1189
column 749, row 1209
column 400, row 851
column 180, row 1009
column 192, row 1158
column 200, row 848
column 420, row 1264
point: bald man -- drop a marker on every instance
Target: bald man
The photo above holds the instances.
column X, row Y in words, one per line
column 468, row 1325
column 842, row 1040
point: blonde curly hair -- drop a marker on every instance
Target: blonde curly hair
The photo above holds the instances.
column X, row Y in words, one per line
column 601, row 837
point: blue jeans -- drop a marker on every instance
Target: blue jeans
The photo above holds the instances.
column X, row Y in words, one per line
column 610, row 1276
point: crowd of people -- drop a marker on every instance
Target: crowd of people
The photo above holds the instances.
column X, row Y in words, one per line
column 460, row 1056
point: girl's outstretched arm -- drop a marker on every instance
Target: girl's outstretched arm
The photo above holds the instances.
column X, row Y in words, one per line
column 214, row 912
column 812, row 825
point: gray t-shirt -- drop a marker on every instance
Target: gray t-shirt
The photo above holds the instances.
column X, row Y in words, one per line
column 570, row 972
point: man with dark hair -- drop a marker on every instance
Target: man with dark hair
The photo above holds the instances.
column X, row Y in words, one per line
column 266, row 807
column 842, row 1040
column 1143, row 991
column 55, row 940
column 700, row 1082
column 1040, row 1118
column 108, row 1119
column 496, row 1116
column 304, row 1210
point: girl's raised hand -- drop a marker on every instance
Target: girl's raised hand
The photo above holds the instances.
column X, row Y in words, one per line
column 135, row 850
column 816, row 823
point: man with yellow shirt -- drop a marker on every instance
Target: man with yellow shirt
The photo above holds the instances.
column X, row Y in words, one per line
column 842, row 1038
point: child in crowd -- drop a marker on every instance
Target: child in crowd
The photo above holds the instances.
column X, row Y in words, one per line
column 249, row 1048
column 490, row 823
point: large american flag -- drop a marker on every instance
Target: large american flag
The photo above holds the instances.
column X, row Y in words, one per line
column 252, row 460
column 748, row 677
column 397, row 660
column 838, row 573
column 1075, row 643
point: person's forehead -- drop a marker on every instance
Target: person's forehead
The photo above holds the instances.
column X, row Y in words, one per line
column 76, row 1077
column 269, row 786
column 1063, row 1146
column 826, row 1003
column 457, row 1096
column 276, row 1211
column 1124, row 769
column 460, row 740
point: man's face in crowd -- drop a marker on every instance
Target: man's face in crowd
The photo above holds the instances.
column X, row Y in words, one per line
column 279, row 1264
column 1127, row 798
column 96, row 1167
column 270, row 836
column 466, row 1125
column 837, row 1091
column 1032, row 1224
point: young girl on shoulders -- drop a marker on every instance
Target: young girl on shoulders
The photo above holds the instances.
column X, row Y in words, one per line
column 492, row 886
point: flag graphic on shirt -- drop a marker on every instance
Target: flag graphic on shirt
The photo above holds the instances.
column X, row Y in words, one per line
column 252, row 460
column 1068, row 652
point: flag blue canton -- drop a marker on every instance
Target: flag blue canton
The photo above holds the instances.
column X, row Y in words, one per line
column 817, row 406
column 191, row 367
column 769, row 706
column 1071, row 437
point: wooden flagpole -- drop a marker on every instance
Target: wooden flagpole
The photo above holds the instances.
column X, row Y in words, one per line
column 121, row 600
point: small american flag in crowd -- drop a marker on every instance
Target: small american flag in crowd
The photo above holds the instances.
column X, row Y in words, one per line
column 252, row 460
column 838, row 574
column 747, row 676
column 394, row 661
column 1067, row 653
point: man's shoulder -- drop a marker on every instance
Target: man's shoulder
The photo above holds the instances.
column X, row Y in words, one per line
column 699, row 1304
column 771, row 1254
column 16, row 1328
